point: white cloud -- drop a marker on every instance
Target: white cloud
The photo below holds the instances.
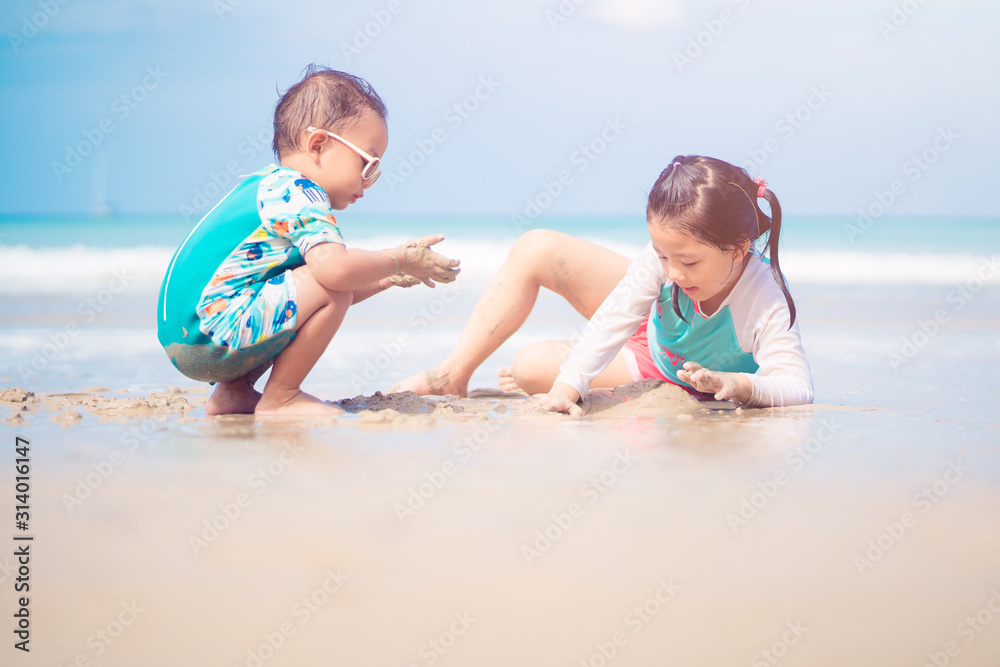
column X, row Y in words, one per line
column 638, row 15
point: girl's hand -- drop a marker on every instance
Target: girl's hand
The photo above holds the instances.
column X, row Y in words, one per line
column 562, row 398
column 725, row 385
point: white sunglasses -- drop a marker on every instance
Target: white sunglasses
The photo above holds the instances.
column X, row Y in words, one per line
column 371, row 172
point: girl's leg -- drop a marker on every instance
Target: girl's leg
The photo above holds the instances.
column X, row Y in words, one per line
column 319, row 312
column 536, row 367
column 582, row 273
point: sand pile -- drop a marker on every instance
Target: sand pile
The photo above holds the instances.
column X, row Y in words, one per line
column 15, row 395
column 404, row 401
column 65, row 408
column 645, row 398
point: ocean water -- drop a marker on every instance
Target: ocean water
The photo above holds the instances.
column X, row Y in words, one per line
column 895, row 299
column 73, row 254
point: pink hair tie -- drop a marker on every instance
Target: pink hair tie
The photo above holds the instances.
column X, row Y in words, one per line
column 762, row 182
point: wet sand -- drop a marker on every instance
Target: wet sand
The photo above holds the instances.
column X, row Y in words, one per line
column 862, row 530
column 655, row 530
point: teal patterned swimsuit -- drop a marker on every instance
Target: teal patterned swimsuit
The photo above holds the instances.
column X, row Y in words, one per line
column 228, row 292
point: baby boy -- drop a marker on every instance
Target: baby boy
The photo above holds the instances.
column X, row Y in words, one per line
column 264, row 279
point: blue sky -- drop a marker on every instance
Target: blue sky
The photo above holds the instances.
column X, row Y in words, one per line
column 831, row 101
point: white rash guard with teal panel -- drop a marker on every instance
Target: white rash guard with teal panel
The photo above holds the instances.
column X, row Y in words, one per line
column 748, row 334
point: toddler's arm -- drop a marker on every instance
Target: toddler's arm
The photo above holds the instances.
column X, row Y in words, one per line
column 339, row 268
column 396, row 280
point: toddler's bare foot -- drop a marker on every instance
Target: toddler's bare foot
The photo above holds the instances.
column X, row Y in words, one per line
column 301, row 404
column 438, row 381
column 235, row 397
column 507, row 382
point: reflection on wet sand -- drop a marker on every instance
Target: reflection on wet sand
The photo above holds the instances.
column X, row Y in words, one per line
column 476, row 532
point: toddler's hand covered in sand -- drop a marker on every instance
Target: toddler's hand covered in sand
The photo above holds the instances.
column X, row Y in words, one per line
column 416, row 259
column 725, row 385
column 404, row 280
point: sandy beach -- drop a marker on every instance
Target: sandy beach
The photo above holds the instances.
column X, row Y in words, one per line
column 476, row 531
column 655, row 529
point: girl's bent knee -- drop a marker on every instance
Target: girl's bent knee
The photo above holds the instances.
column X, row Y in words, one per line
column 536, row 243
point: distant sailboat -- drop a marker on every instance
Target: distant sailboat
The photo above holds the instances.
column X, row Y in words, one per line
column 99, row 187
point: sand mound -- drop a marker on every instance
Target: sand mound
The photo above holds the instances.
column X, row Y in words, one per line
column 645, row 398
column 406, row 402
column 65, row 407
column 154, row 404
column 67, row 417
column 15, row 395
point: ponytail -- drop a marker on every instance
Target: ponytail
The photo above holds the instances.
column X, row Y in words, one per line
column 773, row 234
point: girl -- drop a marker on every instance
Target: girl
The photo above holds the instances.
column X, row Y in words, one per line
column 700, row 307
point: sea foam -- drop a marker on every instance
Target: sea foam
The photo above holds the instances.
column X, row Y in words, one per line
column 83, row 269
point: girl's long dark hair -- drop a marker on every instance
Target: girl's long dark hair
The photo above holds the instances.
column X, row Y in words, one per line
column 716, row 203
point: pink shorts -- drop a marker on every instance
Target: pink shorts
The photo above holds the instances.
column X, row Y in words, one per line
column 639, row 360
column 638, row 357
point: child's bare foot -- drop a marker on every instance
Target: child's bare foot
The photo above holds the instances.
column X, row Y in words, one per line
column 438, row 381
column 235, row 397
column 301, row 404
column 507, row 382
